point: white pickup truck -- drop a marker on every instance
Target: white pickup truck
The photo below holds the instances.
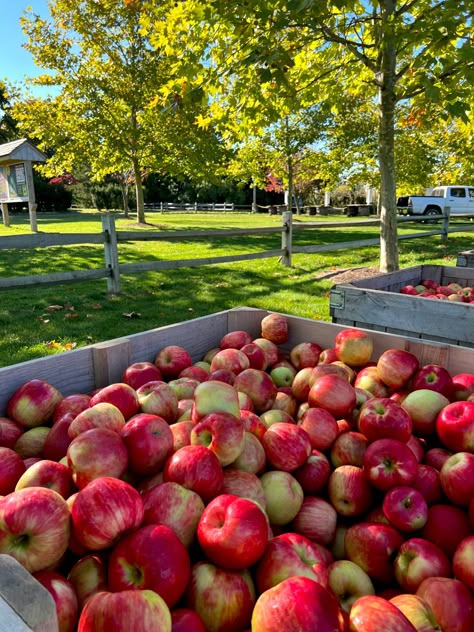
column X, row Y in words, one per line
column 459, row 199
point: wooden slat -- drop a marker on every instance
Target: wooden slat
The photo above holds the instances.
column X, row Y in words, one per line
column 186, row 234
column 53, row 277
column 42, row 240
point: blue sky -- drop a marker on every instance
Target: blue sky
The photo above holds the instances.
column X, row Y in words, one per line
column 15, row 61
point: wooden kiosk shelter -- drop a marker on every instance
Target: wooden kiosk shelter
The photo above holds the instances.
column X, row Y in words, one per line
column 16, row 177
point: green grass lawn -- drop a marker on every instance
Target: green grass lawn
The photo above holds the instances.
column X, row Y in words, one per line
column 44, row 320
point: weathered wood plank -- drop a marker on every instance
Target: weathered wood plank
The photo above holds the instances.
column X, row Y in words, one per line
column 53, row 277
column 186, row 234
column 42, row 240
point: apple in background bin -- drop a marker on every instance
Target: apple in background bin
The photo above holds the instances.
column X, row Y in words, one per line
column 274, row 327
column 33, row 403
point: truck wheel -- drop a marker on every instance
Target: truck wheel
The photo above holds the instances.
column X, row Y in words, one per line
column 431, row 210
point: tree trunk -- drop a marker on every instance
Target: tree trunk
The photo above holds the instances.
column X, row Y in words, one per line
column 387, row 100
column 124, row 188
column 139, row 191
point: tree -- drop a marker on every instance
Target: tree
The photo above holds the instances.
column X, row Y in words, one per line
column 392, row 53
column 109, row 112
column 8, row 130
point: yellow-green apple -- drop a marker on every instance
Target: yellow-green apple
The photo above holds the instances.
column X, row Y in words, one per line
column 149, row 443
column 434, row 378
column 369, row 379
column 269, row 348
column 35, row 526
column 314, row 473
column 33, row 403
column 10, row 431
column 256, row 356
column 349, row 491
column 11, row 469
column 176, row 507
column 95, row 453
column 100, row 415
column 288, row 555
column 244, row 484
column 221, row 375
column 274, row 416
column 373, row 546
column 405, row 508
column 104, row 511
column 446, row 526
column 417, row 611
column 231, row 360
column 204, row 365
column 353, row 346
column 197, row 468
column 282, row 375
column 222, row 433
column 274, row 327
column 215, row 397
column 88, row 576
column 337, row 546
column 372, row 612
column 348, row 449
column 139, row 373
column 305, row 354
column 210, row 353
column 316, row 520
column 457, row 478
column 235, row 339
column 186, row 620
column 31, row 442
column 49, row 474
column 348, row 582
column 334, row 394
column 252, row 458
column 194, row 372
column 455, row 426
column 58, row 439
column 259, row 386
column 300, row 385
column 296, row 604
column 423, row 405
column 463, row 562
column 71, row 404
column 327, row 356
column 321, row 427
column 382, row 418
column 64, row 595
column 233, row 531
column 451, row 601
column 427, row 482
column 121, row 395
column 158, row 398
column 418, row 559
column 223, row 598
column 463, row 386
column 125, row 610
column 396, row 367
column 436, row 457
column 152, row 557
column 283, row 494
column 184, row 387
column 286, row 445
column 388, row 463
column 181, row 431
column 171, row 360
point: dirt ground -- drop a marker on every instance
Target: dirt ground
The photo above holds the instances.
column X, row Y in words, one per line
column 347, row 275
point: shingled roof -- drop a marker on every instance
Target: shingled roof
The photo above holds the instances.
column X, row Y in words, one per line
column 20, row 149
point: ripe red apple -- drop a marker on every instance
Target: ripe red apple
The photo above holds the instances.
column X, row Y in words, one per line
column 233, row 531
column 382, row 418
column 34, row 527
column 455, row 426
column 418, row 559
column 215, row 397
column 314, row 473
column 463, row 386
column 125, row 610
column 348, row 449
column 149, row 443
column 104, row 510
column 139, row 373
column 463, row 562
column 171, row 360
column 259, row 386
column 372, row 612
column 388, row 463
column 368, row 378
column 287, row 446
column 427, row 482
column 417, row 611
column 186, row 620
column 316, row 520
column 295, row 604
column 451, row 601
column 158, row 398
column 405, row 508
column 349, row 491
column 100, row 415
column 235, row 339
column 321, row 427
column 457, row 478
column 121, row 395
column 436, row 457
column 33, row 403
column 446, row 526
column 64, row 595
column 71, row 404
column 353, row 347
column 300, row 385
column 196, row 468
column 181, row 431
column 372, row 546
column 274, row 327
column 305, row 354
column 348, row 582
column 327, row 356
column 334, row 394
column 283, row 496
column 152, row 557
column 195, row 372
column 48, row 474
column 222, row 433
column 435, row 378
column 11, row 469
column 252, row 458
column 396, row 367
column 270, row 349
column 256, row 356
column 230, row 359
column 253, row 423
column 10, row 431
column 88, row 576
column 58, row 439
column 244, row 484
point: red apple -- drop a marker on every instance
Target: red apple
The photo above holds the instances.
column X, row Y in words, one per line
column 437, row 457
column 125, row 610
column 194, row 372
column 10, row 431
column 244, row 484
column 314, row 473
column 139, row 373
column 457, row 478
column 235, row 339
column 405, row 508
column 34, row 527
column 181, row 431
column 372, row 612
column 446, row 526
column 65, row 598
column 327, row 356
column 388, row 463
column 230, row 360
column 305, row 354
column 58, row 439
column 353, row 346
column 427, row 482
column 171, row 360
column 253, row 423
column 300, row 385
column 418, row 559
column 321, row 427
column 233, row 532
column 382, row 418
column 149, row 443
column 455, row 426
column 105, row 510
column 252, row 458
column 270, row 349
column 348, row 449
column 349, row 491
column 434, row 378
column 368, row 378
column 451, row 602
column 33, row 403
column 417, row 611
column 222, row 433
column 48, row 474
column 88, row 576
column 463, row 562
column 259, row 386
column 396, row 367
column 158, row 398
column 186, row 620
column 287, row 446
column 196, row 468
column 11, row 469
column 100, row 415
column 348, row 582
column 121, row 395
column 72, row 404
column 463, row 386
column 274, row 327
column 334, row 394
column 256, row 356
column 316, row 520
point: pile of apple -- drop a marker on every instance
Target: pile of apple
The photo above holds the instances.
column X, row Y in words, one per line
column 313, row 490
column 428, row 288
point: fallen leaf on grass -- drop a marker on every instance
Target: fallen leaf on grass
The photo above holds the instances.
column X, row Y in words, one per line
column 71, row 315
column 96, row 305
column 54, row 308
column 42, row 319
column 53, row 344
column 131, row 315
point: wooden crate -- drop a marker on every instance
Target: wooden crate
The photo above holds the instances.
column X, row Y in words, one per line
column 83, row 370
column 376, row 304
column 465, row 259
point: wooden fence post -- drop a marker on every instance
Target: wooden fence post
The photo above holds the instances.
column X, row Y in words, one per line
column 445, row 227
column 286, row 238
column 111, row 253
